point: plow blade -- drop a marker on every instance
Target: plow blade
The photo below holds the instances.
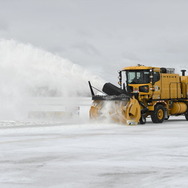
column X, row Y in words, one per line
column 125, row 111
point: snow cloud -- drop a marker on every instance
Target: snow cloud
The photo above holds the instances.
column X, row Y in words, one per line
column 26, row 71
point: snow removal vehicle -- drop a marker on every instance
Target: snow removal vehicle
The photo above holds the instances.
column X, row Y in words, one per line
column 143, row 92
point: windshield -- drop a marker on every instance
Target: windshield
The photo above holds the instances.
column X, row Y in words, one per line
column 138, row 76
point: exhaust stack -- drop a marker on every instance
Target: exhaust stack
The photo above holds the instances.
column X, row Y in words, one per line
column 183, row 72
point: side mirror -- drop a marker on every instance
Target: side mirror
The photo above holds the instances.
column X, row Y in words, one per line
column 120, row 79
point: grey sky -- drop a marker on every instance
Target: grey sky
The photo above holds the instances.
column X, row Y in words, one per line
column 102, row 35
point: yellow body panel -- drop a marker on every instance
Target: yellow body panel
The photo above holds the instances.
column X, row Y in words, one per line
column 156, row 90
column 170, row 86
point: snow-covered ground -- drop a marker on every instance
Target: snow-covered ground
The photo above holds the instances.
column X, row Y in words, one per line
column 74, row 155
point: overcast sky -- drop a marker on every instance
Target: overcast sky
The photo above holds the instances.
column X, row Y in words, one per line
column 102, row 35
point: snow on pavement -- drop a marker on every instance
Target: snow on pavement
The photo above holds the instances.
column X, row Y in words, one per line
column 94, row 155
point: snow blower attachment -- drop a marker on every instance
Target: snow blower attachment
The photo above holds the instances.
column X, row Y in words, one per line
column 144, row 92
column 117, row 105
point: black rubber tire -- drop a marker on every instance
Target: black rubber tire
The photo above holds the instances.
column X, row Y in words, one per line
column 142, row 120
column 186, row 115
column 158, row 115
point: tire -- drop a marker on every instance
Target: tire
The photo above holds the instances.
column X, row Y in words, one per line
column 158, row 115
column 142, row 120
column 186, row 115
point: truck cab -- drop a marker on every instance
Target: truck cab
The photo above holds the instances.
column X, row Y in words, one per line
column 141, row 80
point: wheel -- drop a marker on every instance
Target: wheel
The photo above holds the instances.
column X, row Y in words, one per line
column 186, row 115
column 142, row 120
column 158, row 115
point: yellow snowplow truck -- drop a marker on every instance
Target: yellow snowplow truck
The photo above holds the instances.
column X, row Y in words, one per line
column 143, row 92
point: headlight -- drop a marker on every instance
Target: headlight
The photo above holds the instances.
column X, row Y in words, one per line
column 144, row 88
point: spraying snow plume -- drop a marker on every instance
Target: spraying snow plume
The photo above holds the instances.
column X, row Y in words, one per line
column 26, row 71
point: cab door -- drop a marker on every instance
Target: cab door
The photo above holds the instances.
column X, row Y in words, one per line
column 156, row 86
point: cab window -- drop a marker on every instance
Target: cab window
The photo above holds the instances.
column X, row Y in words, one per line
column 138, row 77
column 156, row 77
